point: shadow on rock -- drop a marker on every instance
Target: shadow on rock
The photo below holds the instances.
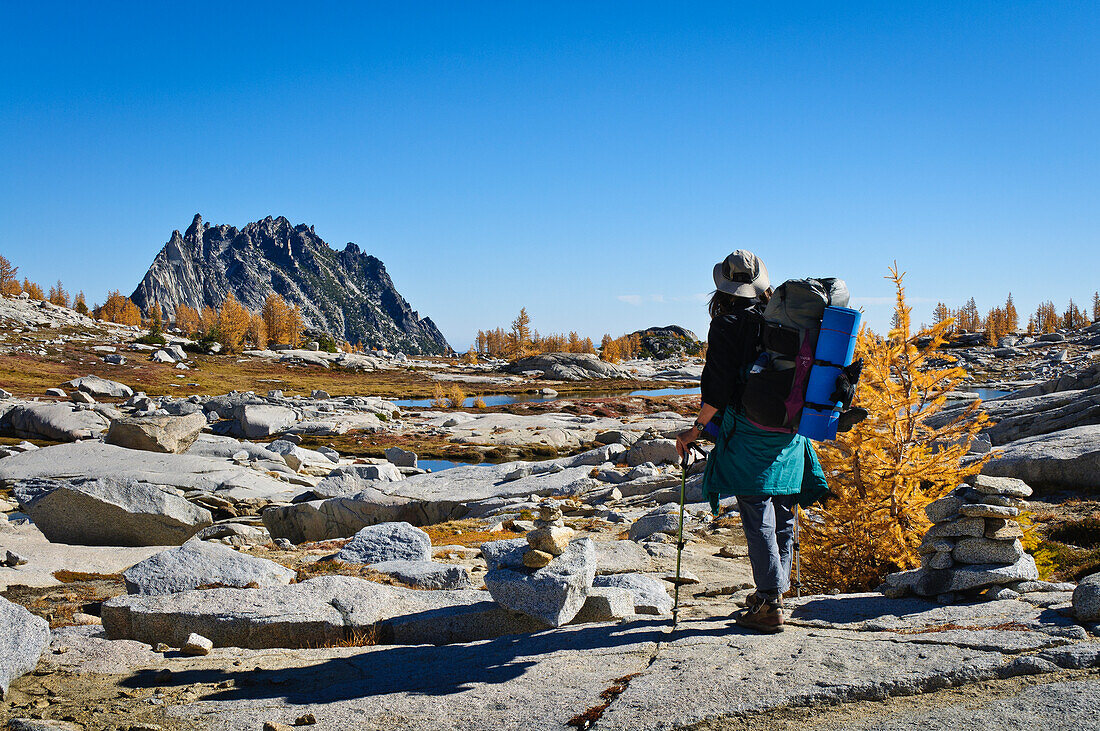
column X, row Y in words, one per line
column 423, row 669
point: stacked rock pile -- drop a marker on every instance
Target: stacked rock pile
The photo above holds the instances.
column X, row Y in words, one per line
column 549, row 538
column 974, row 547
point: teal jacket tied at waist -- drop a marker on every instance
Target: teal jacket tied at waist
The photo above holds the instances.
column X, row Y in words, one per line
column 748, row 460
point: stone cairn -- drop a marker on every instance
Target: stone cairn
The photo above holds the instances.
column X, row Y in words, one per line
column 974, row 547
column 549, row 538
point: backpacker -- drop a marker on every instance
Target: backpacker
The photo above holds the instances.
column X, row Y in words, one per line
column 774, row 396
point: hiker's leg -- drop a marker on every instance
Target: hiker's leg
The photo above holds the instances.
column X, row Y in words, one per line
column 785, row 507
column 758, row 521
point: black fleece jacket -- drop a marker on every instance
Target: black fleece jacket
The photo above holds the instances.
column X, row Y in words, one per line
column 732, row 347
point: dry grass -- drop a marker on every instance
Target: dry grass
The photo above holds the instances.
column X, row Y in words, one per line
column 326, row 567
column 1066, row 545
column 73, row 577
column 589, row 718
column 728, row 520
column 363, row 444
column 80, row 593
column 950, row 627
column 363, row 637
column 462, row 533
column 30, row 375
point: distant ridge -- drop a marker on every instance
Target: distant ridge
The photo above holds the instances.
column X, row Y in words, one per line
column 347, row 293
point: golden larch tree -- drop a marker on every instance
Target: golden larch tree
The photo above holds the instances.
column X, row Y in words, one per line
column 233, row 322
column 9, row 282
column 519, row 340
column 609, row 349
column 888, row 468
column 257, row 332
column 1074, row 318
column 274, row 314
column 58, row 295
column 208, row 323
column 80, row 304
column 33, row 290
column 130, row 314
column 295, row 326
column 1047, row 319
column 187, row 319
column 1012, row 318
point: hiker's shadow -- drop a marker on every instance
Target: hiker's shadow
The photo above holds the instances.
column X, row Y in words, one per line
column 431, row 670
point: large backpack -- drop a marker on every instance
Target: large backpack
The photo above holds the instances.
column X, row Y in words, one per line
column 775, row 389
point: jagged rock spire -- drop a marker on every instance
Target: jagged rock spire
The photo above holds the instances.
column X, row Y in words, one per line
column 346, row 293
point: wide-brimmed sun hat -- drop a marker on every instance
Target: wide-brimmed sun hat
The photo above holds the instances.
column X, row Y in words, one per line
column 741, row 274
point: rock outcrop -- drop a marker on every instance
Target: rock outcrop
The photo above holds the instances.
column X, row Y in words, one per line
column 347, row 293
column 387, row 542
column 166, row 434
column 23, row 637
column 196, row 564
column 321, row 611
column 667, row 342
column 61, row 422
column 1067, row 459
column 109, row 512
column 567, row 367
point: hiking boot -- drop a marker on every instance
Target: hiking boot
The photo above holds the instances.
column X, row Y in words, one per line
column 762, row 615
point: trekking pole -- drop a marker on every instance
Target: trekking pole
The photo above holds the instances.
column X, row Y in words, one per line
column 679, row 539
column 797, row 558
column 684, row 463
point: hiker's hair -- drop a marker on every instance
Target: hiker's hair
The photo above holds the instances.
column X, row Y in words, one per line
column 723, row 303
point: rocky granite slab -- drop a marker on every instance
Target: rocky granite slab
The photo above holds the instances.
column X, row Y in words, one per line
column 424, row 499
column 109, row 512
column 23, row 637
column 85, row 460
column 63, row 422
column 168, row 434
column 322, row 611
column 1068, row 459
column 198, row 564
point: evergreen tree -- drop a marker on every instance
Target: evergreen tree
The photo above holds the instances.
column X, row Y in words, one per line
column 156, row 319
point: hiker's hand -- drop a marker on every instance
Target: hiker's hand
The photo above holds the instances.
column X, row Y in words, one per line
column 684, row 439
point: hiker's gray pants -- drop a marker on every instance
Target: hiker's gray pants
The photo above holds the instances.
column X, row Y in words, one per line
column 768, row 521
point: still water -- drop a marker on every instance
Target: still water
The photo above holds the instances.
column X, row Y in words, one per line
column 534, row 398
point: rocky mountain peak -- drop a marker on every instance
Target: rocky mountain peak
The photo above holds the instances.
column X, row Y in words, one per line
column 345, row 293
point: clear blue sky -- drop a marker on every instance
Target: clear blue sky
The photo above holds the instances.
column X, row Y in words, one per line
column 590, row 161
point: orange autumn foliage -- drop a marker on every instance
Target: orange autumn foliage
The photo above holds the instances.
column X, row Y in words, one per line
column 888, row 468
